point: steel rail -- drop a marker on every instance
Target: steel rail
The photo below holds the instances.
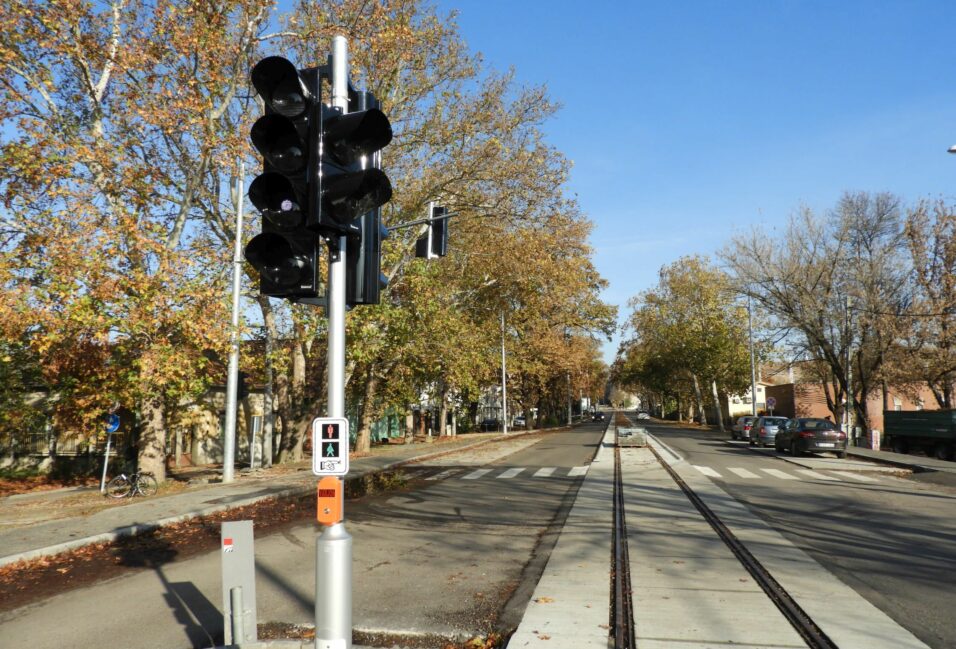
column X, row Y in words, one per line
column 622, row 612
column 798, row 618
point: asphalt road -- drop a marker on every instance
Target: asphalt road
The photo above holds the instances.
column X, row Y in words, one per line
column 889, row 537
column 454, row 554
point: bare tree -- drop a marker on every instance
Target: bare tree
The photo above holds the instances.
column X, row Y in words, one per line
column 827, row 283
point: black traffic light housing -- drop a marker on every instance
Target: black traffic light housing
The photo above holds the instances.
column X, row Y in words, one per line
column 434, row 243
column 350, row 185
column 364, row 279
column 321, row 178
column 286, row 252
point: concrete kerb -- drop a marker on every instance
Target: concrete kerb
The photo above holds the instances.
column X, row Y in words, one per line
column 914, row 466
column 291, row 491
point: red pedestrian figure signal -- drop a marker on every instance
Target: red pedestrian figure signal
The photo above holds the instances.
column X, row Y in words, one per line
column 330, row 443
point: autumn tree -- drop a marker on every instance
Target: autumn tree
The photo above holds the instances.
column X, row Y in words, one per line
column 687, row 332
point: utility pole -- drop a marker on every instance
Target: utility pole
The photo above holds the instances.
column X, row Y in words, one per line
column 232, row 383
column 753, row 365
column 504, row 380
column 849, row 375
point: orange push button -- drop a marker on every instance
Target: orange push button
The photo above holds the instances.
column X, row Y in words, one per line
column 330, row 500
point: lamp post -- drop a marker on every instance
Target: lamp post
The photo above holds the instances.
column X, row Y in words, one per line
column 753, row 365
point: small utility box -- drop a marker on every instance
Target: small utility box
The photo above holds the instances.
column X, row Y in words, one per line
column 632, row 437
column 238, row 583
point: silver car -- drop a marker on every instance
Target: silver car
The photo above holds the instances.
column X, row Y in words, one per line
column 765, row 429
column 741, row 430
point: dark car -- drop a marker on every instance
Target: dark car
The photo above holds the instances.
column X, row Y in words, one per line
column 811, row 435
column 741, row 430
column 598, row 416
column 489, row 424
column 764, row 430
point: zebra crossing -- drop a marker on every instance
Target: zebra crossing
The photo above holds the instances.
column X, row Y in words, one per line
column 831, row 475
column 496, row 473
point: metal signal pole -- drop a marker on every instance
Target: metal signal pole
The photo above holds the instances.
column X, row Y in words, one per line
column 333, row 548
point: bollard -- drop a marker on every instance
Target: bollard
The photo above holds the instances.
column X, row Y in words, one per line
column 333, row 588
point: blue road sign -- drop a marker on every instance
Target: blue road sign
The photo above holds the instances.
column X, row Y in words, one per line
column 112, row 423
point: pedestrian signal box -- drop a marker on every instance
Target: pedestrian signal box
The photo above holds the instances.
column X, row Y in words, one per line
column 329, row 500
column 330, row 446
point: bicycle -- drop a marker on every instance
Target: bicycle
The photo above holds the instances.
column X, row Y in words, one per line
column 127, row 486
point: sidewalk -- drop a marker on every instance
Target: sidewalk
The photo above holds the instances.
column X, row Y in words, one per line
column 906, row 461
column 129, row 517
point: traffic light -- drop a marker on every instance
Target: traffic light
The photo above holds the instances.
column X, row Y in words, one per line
column 350, row 185
column 434, row 243
column 286, row 252
column 364, row 279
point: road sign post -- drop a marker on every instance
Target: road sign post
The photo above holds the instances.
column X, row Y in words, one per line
column 771, row 402
column 112, row 425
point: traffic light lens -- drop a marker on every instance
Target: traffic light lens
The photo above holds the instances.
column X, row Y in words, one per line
column 348, row 137
column 274, row 196
column 272, row 255
column 279, row 143
column 287, row 99
column 349, row 195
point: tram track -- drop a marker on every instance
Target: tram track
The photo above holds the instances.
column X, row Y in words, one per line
column 622, row 611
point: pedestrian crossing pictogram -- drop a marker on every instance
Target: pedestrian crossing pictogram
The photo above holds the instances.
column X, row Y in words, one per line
column 330, row 446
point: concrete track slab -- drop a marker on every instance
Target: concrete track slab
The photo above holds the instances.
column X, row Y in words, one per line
column 688, row 588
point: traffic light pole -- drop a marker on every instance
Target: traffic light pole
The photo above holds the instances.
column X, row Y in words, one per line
column 333, row 548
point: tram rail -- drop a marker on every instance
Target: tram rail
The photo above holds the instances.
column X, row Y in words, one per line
column 622, row 611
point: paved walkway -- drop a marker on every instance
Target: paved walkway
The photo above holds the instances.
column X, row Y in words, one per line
column 33, row 525
column 916, row 462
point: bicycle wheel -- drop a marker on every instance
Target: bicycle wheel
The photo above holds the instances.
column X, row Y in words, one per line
column 146, row 484
column 119, row 487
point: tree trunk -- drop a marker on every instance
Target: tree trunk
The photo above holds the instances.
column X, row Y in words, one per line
column 152, row 438
column 363, row 437
column 720, row 415
column 443, row 410
column 268, row 399
column 292, row 410
column 700, row 400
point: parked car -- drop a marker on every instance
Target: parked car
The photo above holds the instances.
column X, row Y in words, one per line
column 520, row 422
column 489, row 424
column 811, row 435
column 741, row 430
column 643, row 415
column 764, row 430
column 597, row 416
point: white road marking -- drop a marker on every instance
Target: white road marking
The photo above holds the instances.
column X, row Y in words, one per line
column 545, row 472
column 817, row 475
column 707, row 471
column 777, row 473
column 578, row 470
column 444, row 474
column 855, row 476
column 510, row 473
column 474, row 475
column 743, row 473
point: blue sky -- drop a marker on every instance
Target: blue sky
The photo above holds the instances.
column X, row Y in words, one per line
column 690, row 121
